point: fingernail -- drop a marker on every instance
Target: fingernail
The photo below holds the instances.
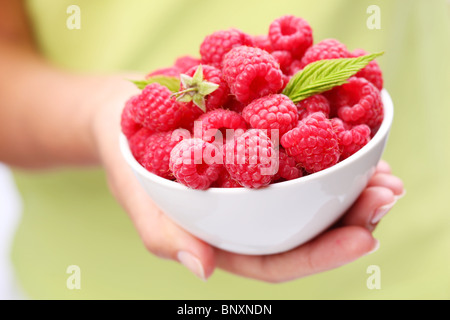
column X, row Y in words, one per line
column 401, row 195
column 375, row 247
column 192, row 263
column 381, row 212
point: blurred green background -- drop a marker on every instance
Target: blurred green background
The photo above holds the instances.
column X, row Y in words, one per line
column 70, row 217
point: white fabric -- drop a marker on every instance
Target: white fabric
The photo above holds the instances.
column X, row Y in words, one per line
column 10, row 213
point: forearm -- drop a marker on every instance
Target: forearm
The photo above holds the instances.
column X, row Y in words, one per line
column 46, row 114
column 43, row 111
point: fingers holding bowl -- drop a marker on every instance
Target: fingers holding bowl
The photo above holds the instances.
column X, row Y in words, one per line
column 330, row 250
column 381, row 194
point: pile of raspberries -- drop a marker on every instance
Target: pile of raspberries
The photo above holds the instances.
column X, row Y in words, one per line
column 246, row 133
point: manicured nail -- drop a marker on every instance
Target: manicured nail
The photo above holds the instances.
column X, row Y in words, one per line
column 381, row 212
column 401, row 195
column 192, row 263
column 375, row 247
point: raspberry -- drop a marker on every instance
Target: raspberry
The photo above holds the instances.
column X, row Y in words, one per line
column 338, row 125
column 234, row 105
column 274, row 111
column 284, row 58
column 333, row 99
column 313, row 143
column 325, row 49
column 262, row 42
column 251, row 73
column 138, row 143
column 127, row 123
column 168, row 72
column 216, row 45
column 155, row 110
column 286, row 80
column 225, row 181
column 288, row 168
column 295, row 67
column 354, row 139
column 192, row 162
column 212, row 101
column 157, row 151
column 359, row 102
column 181, row 65
column 184, row 63
column 292, row 34
column 371, row 72
column 315, row 103
column 218, row 97
column 220, row 120
column 251, row 159
column 351, row 139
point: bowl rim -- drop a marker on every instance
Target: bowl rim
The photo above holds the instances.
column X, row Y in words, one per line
column 382, row 132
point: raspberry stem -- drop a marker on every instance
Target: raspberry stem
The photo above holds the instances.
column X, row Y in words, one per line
column 196, row 89
column 182, row 92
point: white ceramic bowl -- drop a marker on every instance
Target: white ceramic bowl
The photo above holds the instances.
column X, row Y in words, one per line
column 270, row 220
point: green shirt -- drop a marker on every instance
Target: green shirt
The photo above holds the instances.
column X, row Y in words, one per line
column 70, row 218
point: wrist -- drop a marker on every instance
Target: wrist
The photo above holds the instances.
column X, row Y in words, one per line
column 106, row 109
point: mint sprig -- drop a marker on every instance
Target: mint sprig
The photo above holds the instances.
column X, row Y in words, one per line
column 323, row 75
column 171, row 83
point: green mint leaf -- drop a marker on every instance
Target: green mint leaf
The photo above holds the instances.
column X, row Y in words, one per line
column 324, row 75
column 141, row 84
column 171, row 83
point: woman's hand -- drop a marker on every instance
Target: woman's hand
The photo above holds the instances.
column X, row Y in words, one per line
column 348, row 240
